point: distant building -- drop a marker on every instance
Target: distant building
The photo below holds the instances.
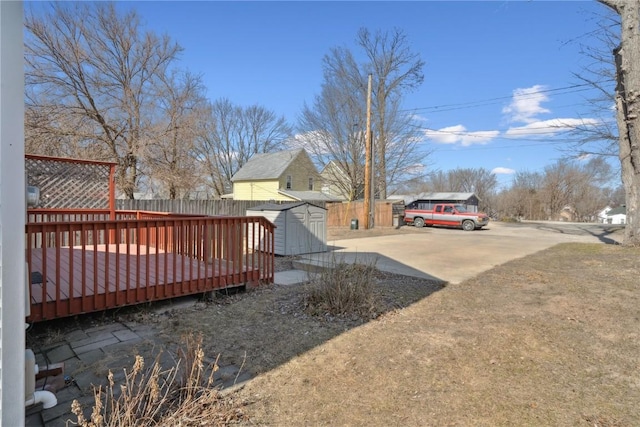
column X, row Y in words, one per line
column 602, row 215
column 428, row 200
column 282, row 176
column 617, row 215
column 335, row 182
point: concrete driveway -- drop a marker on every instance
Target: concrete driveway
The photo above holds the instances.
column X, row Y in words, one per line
column 453, row 255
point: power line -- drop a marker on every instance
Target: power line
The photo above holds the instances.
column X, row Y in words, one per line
column 542, row 130
column 495, row 147
column 491, row 101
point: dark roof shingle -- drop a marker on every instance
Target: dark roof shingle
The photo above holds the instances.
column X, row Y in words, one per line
column 266, row 166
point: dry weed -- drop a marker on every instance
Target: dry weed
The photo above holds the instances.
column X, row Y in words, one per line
column 182, row 395
column 343, row 290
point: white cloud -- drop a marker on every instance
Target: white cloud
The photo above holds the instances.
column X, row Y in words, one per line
column 548, row 127
column 479, row 137
column 448, row 135
column 419, row 118
column 502, row 171
column 458, row 134
column 525, row 104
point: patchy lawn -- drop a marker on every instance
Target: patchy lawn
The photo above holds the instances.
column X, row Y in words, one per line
column 550, row 339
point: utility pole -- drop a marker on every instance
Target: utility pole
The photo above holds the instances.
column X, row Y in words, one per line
column 368, row 223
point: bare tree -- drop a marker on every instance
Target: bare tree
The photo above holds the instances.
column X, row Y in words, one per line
column 170, row 157
column 614, row 195
column 479, row 181
column 568, row 189
column 231, row 135
column 575, row 188
column 395, row 69
column 599, row 137
column 333, row 128
column 628, row 110
column 91, row 75
column 523, row 198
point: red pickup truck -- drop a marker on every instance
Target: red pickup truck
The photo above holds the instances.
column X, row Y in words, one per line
column 448, row 215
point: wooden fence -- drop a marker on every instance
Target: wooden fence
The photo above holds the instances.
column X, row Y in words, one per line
column 224, row 207
column 339, row 214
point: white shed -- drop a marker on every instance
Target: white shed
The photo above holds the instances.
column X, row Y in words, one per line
column 301, row 227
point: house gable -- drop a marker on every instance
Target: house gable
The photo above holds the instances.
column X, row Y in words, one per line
column 270, row 176
column 335, row 182
column 301, row 174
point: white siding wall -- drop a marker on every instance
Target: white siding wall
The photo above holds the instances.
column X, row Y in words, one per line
column 12, row 215
column 258, row 190
column 619, row 219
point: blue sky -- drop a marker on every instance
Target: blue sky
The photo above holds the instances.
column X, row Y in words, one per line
column 495, row 71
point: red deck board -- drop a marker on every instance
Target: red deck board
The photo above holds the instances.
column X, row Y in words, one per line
column 147, row 265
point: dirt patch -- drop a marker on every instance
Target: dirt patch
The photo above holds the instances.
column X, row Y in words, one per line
column 268, row 326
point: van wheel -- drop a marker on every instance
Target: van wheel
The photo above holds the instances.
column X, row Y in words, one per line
column 418, row 222
column 468, row 225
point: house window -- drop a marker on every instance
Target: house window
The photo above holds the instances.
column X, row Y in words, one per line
column 288, row 182
column 310, row 184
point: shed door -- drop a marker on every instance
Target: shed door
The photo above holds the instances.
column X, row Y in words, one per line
column 317, row 224
column 306, row 231
column 297, row 234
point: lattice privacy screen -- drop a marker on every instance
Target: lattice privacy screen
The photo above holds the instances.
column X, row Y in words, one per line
column 69, row 184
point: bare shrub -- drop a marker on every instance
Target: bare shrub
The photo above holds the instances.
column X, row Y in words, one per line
column 183, row 395
column 343, row 289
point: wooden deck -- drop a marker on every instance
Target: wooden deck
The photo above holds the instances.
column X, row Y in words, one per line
column 108, row 264
column 118, row 266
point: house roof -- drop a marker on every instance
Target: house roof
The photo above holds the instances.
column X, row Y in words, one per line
column 267, row 165
column 446, row 196
column 604, row 211
column 308, row 195
column 620, row 210
column 434, row 196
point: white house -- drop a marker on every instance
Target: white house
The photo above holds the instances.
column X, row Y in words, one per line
column 602, row 215
column 617, row 215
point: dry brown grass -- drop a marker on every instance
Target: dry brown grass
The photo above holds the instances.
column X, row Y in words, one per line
column 346, row 290
column 182, row 395
column 551, row 339
column 548, row 340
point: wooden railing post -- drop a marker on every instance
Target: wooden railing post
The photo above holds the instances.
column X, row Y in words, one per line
column 90, row 262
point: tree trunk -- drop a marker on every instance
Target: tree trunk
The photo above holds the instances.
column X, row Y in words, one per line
column 628, row 109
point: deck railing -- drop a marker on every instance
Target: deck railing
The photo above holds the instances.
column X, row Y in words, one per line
column 82, row 261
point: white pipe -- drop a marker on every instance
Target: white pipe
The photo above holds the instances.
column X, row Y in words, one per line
column 47, row 399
